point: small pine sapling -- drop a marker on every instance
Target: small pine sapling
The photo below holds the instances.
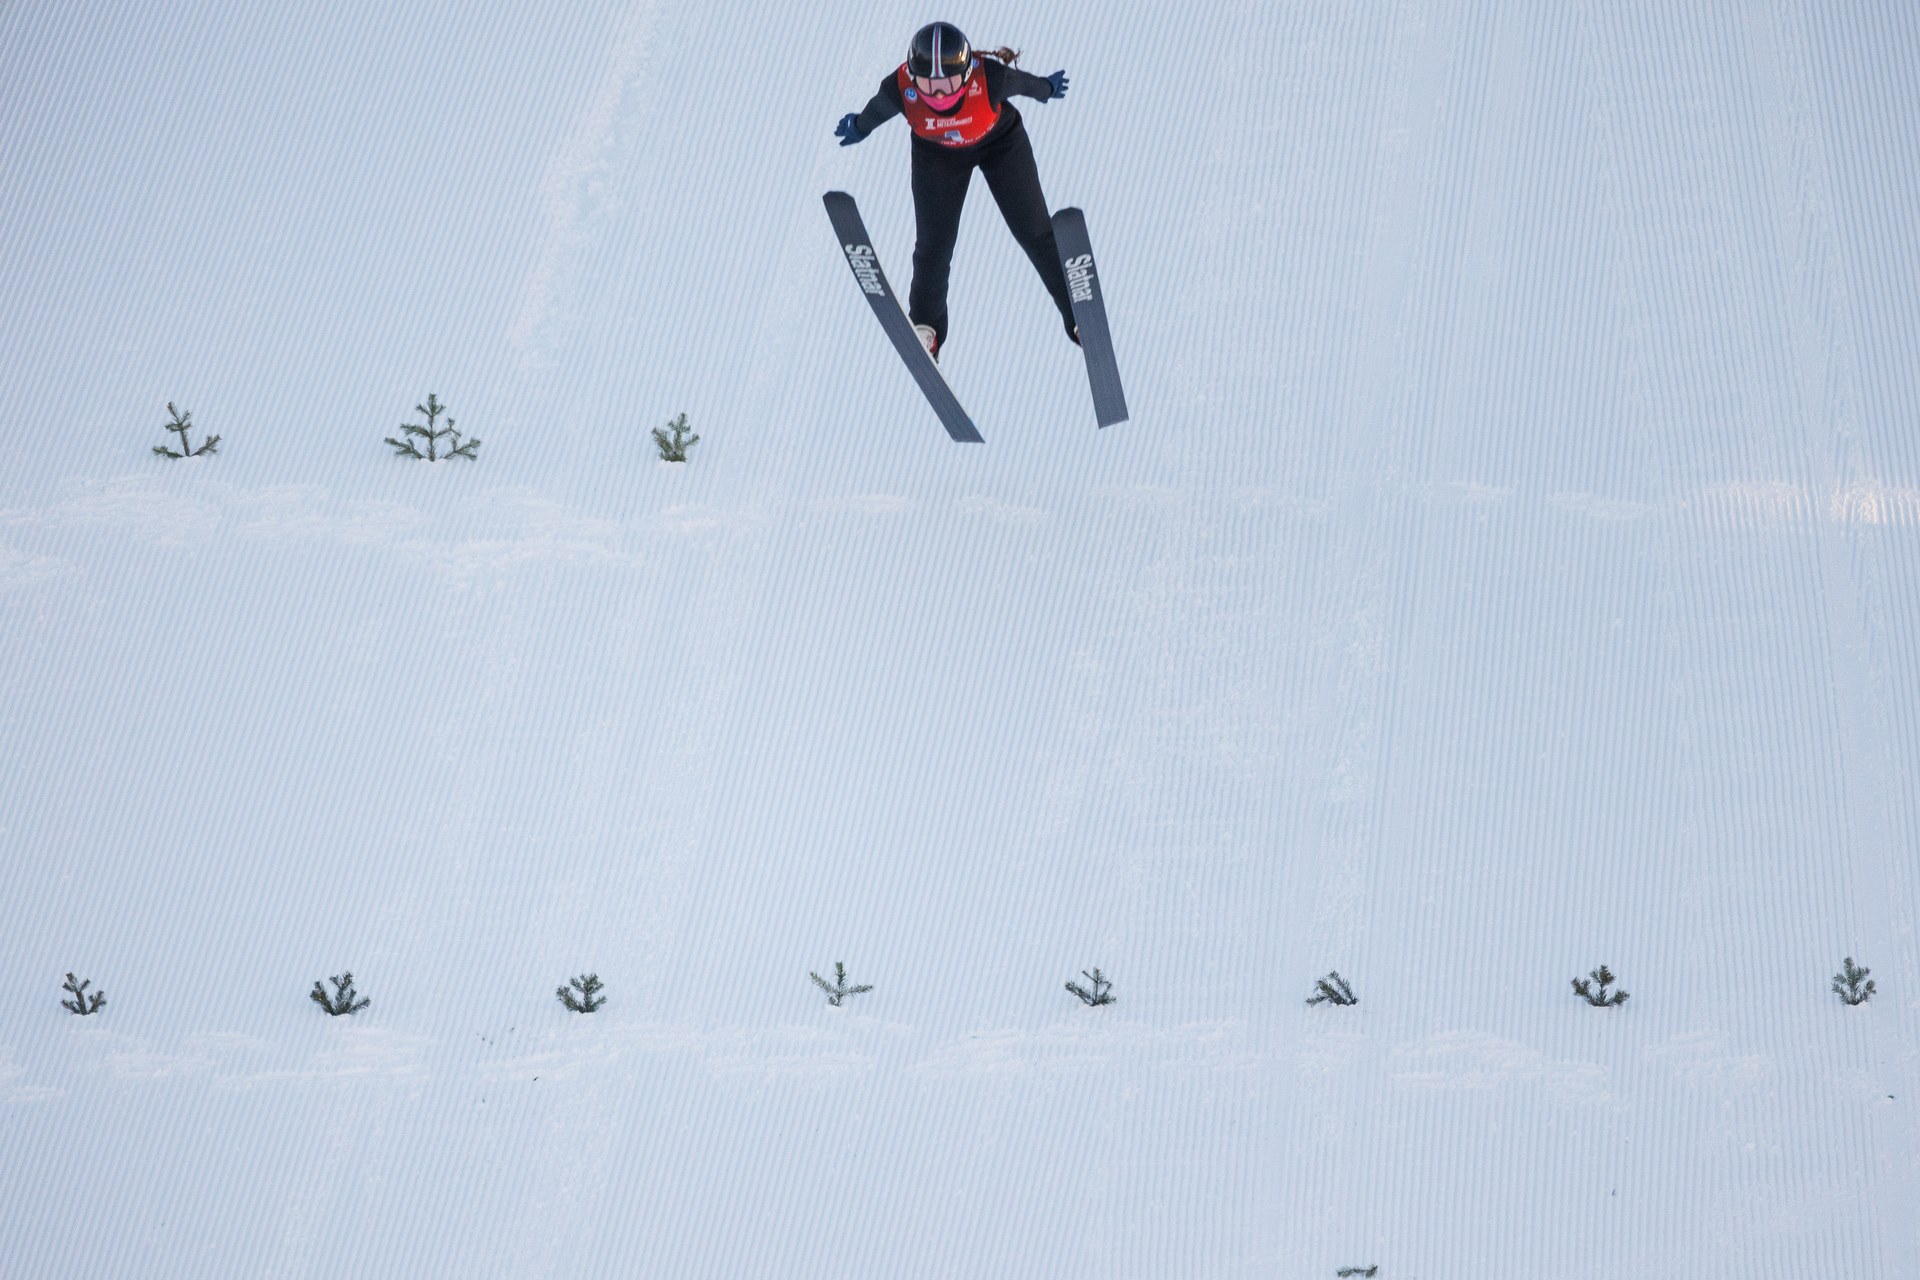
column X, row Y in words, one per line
column 1847, row 986
column 588, row 985
column 1336, row 992
column 82, row 1003
column 181, row 421
column 1101, row 993
column 343, row 993
column 674, row 449
column 839, row 990
column 432, row 434
column 1598, row 996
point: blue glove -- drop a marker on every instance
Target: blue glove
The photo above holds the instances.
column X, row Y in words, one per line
column 848, row 130
column 1059, row 82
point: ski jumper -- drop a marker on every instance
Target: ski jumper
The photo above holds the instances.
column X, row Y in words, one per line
column 982, row 131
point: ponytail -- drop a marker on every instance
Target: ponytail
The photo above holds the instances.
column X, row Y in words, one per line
column 1004, row 54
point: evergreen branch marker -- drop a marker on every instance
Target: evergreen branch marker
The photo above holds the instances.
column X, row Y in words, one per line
column 1337, row 993
column 1852, row 992
column 839, row 990
column 1602, row 976
column 432, row 434
column 588, row 985
column 343, row 996
column 82, row 1003
column 1101, row 993
column 1357, row 1271
column 180, row 423
column 675, row 449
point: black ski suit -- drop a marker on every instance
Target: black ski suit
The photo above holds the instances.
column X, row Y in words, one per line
column 940, row 178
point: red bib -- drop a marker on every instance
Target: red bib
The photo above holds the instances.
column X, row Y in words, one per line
column 961, row 125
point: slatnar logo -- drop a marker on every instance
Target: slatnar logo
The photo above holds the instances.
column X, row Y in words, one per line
column 1080, row 277
column 865, row 268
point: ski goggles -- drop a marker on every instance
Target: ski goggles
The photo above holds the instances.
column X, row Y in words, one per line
column 941, row 89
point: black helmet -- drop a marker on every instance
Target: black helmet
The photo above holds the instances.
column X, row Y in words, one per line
column 938, row 51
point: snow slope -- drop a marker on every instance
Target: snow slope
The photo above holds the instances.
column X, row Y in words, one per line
column 1511, row 567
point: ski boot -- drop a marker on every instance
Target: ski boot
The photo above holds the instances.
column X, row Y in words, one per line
column 929, row 339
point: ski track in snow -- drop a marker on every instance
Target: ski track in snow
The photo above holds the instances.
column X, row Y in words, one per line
column 579, row 193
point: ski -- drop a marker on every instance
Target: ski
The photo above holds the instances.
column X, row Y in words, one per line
column 858, row 246
column 1090, row 315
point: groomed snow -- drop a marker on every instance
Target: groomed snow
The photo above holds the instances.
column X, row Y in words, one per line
column 1512, row 566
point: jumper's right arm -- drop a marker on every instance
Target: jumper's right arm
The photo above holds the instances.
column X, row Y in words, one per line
column 882, row 107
